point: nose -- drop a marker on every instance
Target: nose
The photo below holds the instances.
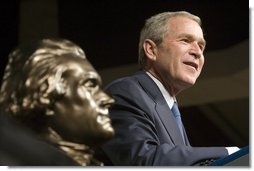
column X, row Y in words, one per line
column 105, row 101
column 196, row 51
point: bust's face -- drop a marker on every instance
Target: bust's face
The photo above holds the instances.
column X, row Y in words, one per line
column 81, row 115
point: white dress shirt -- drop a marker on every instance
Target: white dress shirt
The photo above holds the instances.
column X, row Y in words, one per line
column 170, row 101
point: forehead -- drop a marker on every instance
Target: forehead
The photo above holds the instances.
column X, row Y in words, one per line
column 78, row 65
column 182, row 24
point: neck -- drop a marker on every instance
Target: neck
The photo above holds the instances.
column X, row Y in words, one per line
column 169, row 86
column 80, row 153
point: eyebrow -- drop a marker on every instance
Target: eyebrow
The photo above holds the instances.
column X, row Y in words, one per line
column 92, row 75
column 201, row 40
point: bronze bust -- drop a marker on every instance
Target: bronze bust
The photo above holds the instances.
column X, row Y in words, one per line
column 51, row 87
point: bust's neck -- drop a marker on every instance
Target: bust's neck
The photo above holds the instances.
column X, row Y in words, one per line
column 81, row 153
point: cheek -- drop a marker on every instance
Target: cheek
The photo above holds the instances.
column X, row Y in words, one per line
column 89, row 104
column 201, row 63
column 165, row 61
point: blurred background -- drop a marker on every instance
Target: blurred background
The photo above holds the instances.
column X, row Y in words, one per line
column 215, row 111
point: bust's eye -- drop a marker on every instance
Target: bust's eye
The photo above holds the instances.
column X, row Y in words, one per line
column 90, row 83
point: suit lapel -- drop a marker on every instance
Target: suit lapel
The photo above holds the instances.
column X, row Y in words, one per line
column 161, row 107
column 168, row 120
column 186, row 138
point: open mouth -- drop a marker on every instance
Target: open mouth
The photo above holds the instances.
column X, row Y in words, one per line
column 105, row 122
column 102, row 119
column 192, row 64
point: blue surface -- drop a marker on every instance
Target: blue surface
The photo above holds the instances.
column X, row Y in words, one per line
column 221, row 162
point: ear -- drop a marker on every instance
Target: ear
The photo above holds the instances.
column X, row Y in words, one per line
column 150, row 49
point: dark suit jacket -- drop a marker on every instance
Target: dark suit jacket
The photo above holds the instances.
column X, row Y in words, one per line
column 146, row 130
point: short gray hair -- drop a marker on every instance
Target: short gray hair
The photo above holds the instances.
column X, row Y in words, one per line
column 156, row 28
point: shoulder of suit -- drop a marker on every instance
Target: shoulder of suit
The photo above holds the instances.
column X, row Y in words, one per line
column 122, row 83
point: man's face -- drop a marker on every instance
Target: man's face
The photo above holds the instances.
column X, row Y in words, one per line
column 82, row 114
column 180, row 56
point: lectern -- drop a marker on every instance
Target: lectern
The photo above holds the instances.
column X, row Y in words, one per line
column 239, row 158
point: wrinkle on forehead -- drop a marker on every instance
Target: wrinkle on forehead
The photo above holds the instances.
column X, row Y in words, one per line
column 185, row 25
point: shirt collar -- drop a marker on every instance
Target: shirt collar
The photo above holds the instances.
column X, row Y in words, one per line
column 169, row 99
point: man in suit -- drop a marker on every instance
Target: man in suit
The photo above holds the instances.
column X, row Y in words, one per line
column 146, row 131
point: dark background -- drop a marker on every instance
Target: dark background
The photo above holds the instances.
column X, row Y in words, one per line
column 108, row 31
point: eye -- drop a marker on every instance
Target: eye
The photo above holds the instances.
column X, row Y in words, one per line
column 202, row 47
column 90, row 85
column 185, row 40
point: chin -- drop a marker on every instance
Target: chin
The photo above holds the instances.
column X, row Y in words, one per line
column 109, row 133
column 185, row 84
column 189, row 81
column 100, row 137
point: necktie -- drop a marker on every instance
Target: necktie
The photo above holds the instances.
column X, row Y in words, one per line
column 177, row 115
